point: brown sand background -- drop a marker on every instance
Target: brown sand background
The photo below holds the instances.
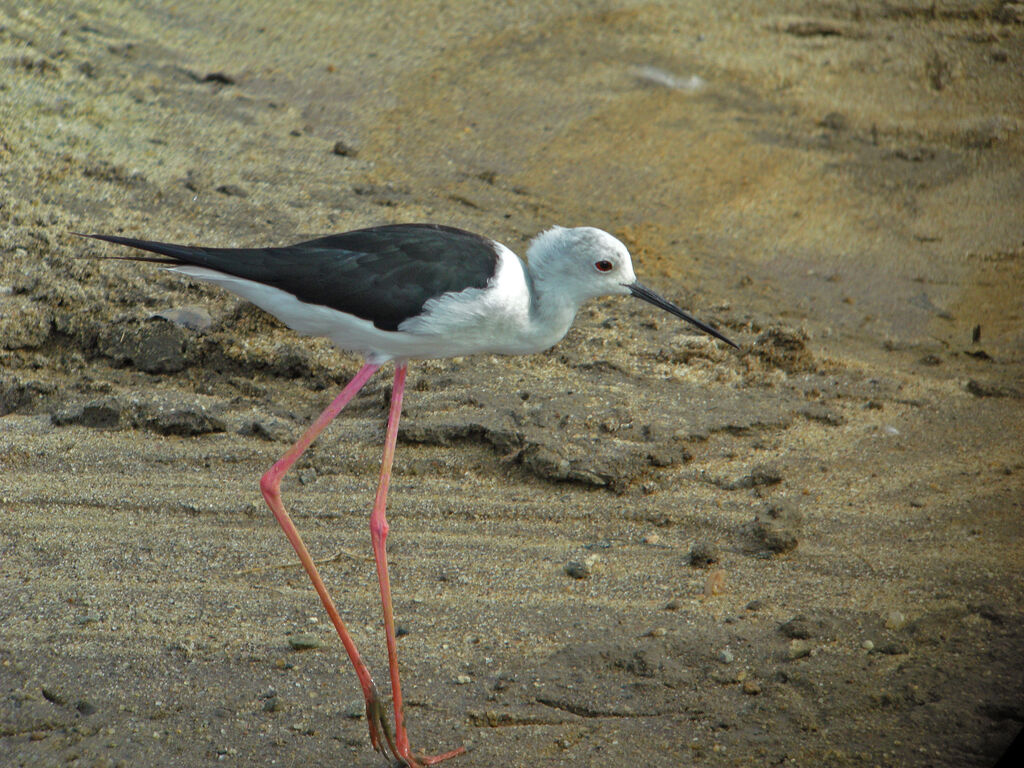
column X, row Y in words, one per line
column 843, row 195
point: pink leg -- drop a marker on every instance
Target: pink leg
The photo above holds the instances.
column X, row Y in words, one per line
column 270, row 485
column 379, row 534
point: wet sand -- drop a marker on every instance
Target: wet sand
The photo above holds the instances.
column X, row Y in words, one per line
column 805, row 552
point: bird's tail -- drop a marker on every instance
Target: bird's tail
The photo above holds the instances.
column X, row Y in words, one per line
column 169, row 252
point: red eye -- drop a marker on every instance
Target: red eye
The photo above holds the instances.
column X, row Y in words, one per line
column 604, row 266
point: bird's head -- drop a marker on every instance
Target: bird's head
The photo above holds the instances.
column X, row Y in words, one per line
column 582, row 262
column 585, row 262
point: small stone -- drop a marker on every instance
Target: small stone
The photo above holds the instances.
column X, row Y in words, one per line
column 272, row 704
column 303, row 642
column 577, row 569
column 673, row 605
column 726, row 657
column 751, row 687
column 463, row 680
column 868, row 645
column 658, row 632
column 760, row 475
column 651, row 539
column 221, row 78
column 715, row 584
column 343, row 148
column 806, row 628
column 232, row 190
column 704, row 553
column 545, row 463
column 892, row 648
column 580, row 569
column 53, row 696
column 85, row 707
column 798, row 649
column 895, row 620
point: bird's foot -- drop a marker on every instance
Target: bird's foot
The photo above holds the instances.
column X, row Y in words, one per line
column 425, row 760
column 383, row 739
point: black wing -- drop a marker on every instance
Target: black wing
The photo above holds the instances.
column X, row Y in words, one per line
column 381, row 274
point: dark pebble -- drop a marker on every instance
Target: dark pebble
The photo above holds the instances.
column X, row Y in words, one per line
column 892, row 648
column 85, row 708
column 808, row 628
column 232, row 190
column 272, row 704
column 758, row 476
column 221, row 78
column 577, row 569
column 704, row 553
column 53, row 696
column 343, row 149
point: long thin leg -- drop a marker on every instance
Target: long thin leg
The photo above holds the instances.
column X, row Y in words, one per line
column 270, row 485
column 379, row 534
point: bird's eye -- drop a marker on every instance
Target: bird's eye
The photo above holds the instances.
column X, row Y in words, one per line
column 604, row 266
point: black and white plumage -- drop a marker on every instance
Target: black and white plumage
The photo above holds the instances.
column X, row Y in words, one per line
column 408, row 291
column 397, row 293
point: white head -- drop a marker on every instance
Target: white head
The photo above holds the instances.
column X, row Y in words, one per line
column 584, row 262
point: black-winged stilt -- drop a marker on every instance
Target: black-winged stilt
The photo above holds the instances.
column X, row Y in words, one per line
column 401, row 292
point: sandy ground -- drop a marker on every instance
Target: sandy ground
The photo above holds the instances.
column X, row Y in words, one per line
column 806, row 553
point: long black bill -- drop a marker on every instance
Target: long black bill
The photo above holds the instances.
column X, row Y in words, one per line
column 642, row 292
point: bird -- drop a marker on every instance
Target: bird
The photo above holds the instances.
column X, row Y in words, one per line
column 396, row 293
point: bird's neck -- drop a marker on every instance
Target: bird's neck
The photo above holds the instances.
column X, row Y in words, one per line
column 551, row 309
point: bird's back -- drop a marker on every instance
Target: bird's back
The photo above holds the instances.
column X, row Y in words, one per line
column 381, row 274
